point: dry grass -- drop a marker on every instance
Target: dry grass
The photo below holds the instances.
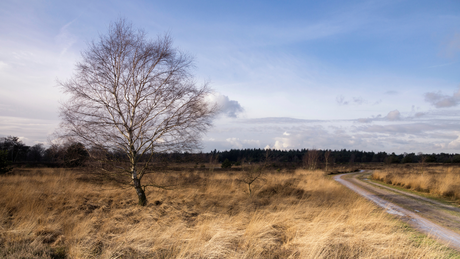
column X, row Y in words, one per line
column 439, row 181
column 52, row 214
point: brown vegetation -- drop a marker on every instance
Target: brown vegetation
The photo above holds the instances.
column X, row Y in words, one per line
column 439, row 181
column 57, row 213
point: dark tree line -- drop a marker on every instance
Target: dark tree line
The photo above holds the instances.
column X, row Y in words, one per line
column 336, row 156
column 297, row 157
column 14, row 151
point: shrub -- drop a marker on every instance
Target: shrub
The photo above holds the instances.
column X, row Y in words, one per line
column 226, row 164
column 75, row 155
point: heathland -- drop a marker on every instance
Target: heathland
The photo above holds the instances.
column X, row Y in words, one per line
column 70, row 213
column 439, row 181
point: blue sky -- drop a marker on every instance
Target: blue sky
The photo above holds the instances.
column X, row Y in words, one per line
column 367, row 75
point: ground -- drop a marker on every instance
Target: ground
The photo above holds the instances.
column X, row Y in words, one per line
column 60, row 213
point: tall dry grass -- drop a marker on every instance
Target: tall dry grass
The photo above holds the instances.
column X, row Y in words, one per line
column 439, row 181
column 53, row 214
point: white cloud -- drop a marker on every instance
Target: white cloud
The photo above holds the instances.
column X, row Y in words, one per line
column 393, row 115
column 440, row 100
column 229, row 108
column 455, row 144
column 286, row 134
column 282, row 144
column 235, row 142
column 319, row 137
column 245, row 143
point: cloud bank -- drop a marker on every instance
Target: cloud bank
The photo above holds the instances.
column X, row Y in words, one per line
column 410, row 131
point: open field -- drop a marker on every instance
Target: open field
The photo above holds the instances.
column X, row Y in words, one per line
column 439, row 181
column 58, row 213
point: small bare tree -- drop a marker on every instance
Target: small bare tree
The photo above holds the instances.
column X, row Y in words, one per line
column 213, row 162
column 253, row 173
column 311, row 159
column 136, row 95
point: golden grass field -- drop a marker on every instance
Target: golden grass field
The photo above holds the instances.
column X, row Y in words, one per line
column 439, row 181
column 57, row 213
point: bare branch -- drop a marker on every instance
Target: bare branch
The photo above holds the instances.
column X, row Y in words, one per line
column 137, row 95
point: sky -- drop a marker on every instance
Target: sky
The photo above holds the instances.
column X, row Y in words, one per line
column 366, row 75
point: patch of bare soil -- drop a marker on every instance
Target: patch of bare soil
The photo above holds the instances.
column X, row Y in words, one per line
column 431, row 217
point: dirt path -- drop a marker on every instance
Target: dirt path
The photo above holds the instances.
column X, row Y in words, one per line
column 433, row 218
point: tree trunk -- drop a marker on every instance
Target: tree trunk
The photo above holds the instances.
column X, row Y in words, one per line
column 140, row 192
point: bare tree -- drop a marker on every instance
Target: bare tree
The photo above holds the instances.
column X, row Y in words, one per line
column 253, row 173
column 137, row 95
column 311, row 159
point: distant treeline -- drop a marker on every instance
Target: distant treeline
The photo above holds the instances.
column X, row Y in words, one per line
column 16, row 152
column 335, row 156
column 75, row 154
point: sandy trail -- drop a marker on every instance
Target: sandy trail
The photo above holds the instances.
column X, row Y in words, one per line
column 430, row 217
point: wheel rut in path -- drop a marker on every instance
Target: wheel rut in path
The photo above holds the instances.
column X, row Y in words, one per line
column 430, row 217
